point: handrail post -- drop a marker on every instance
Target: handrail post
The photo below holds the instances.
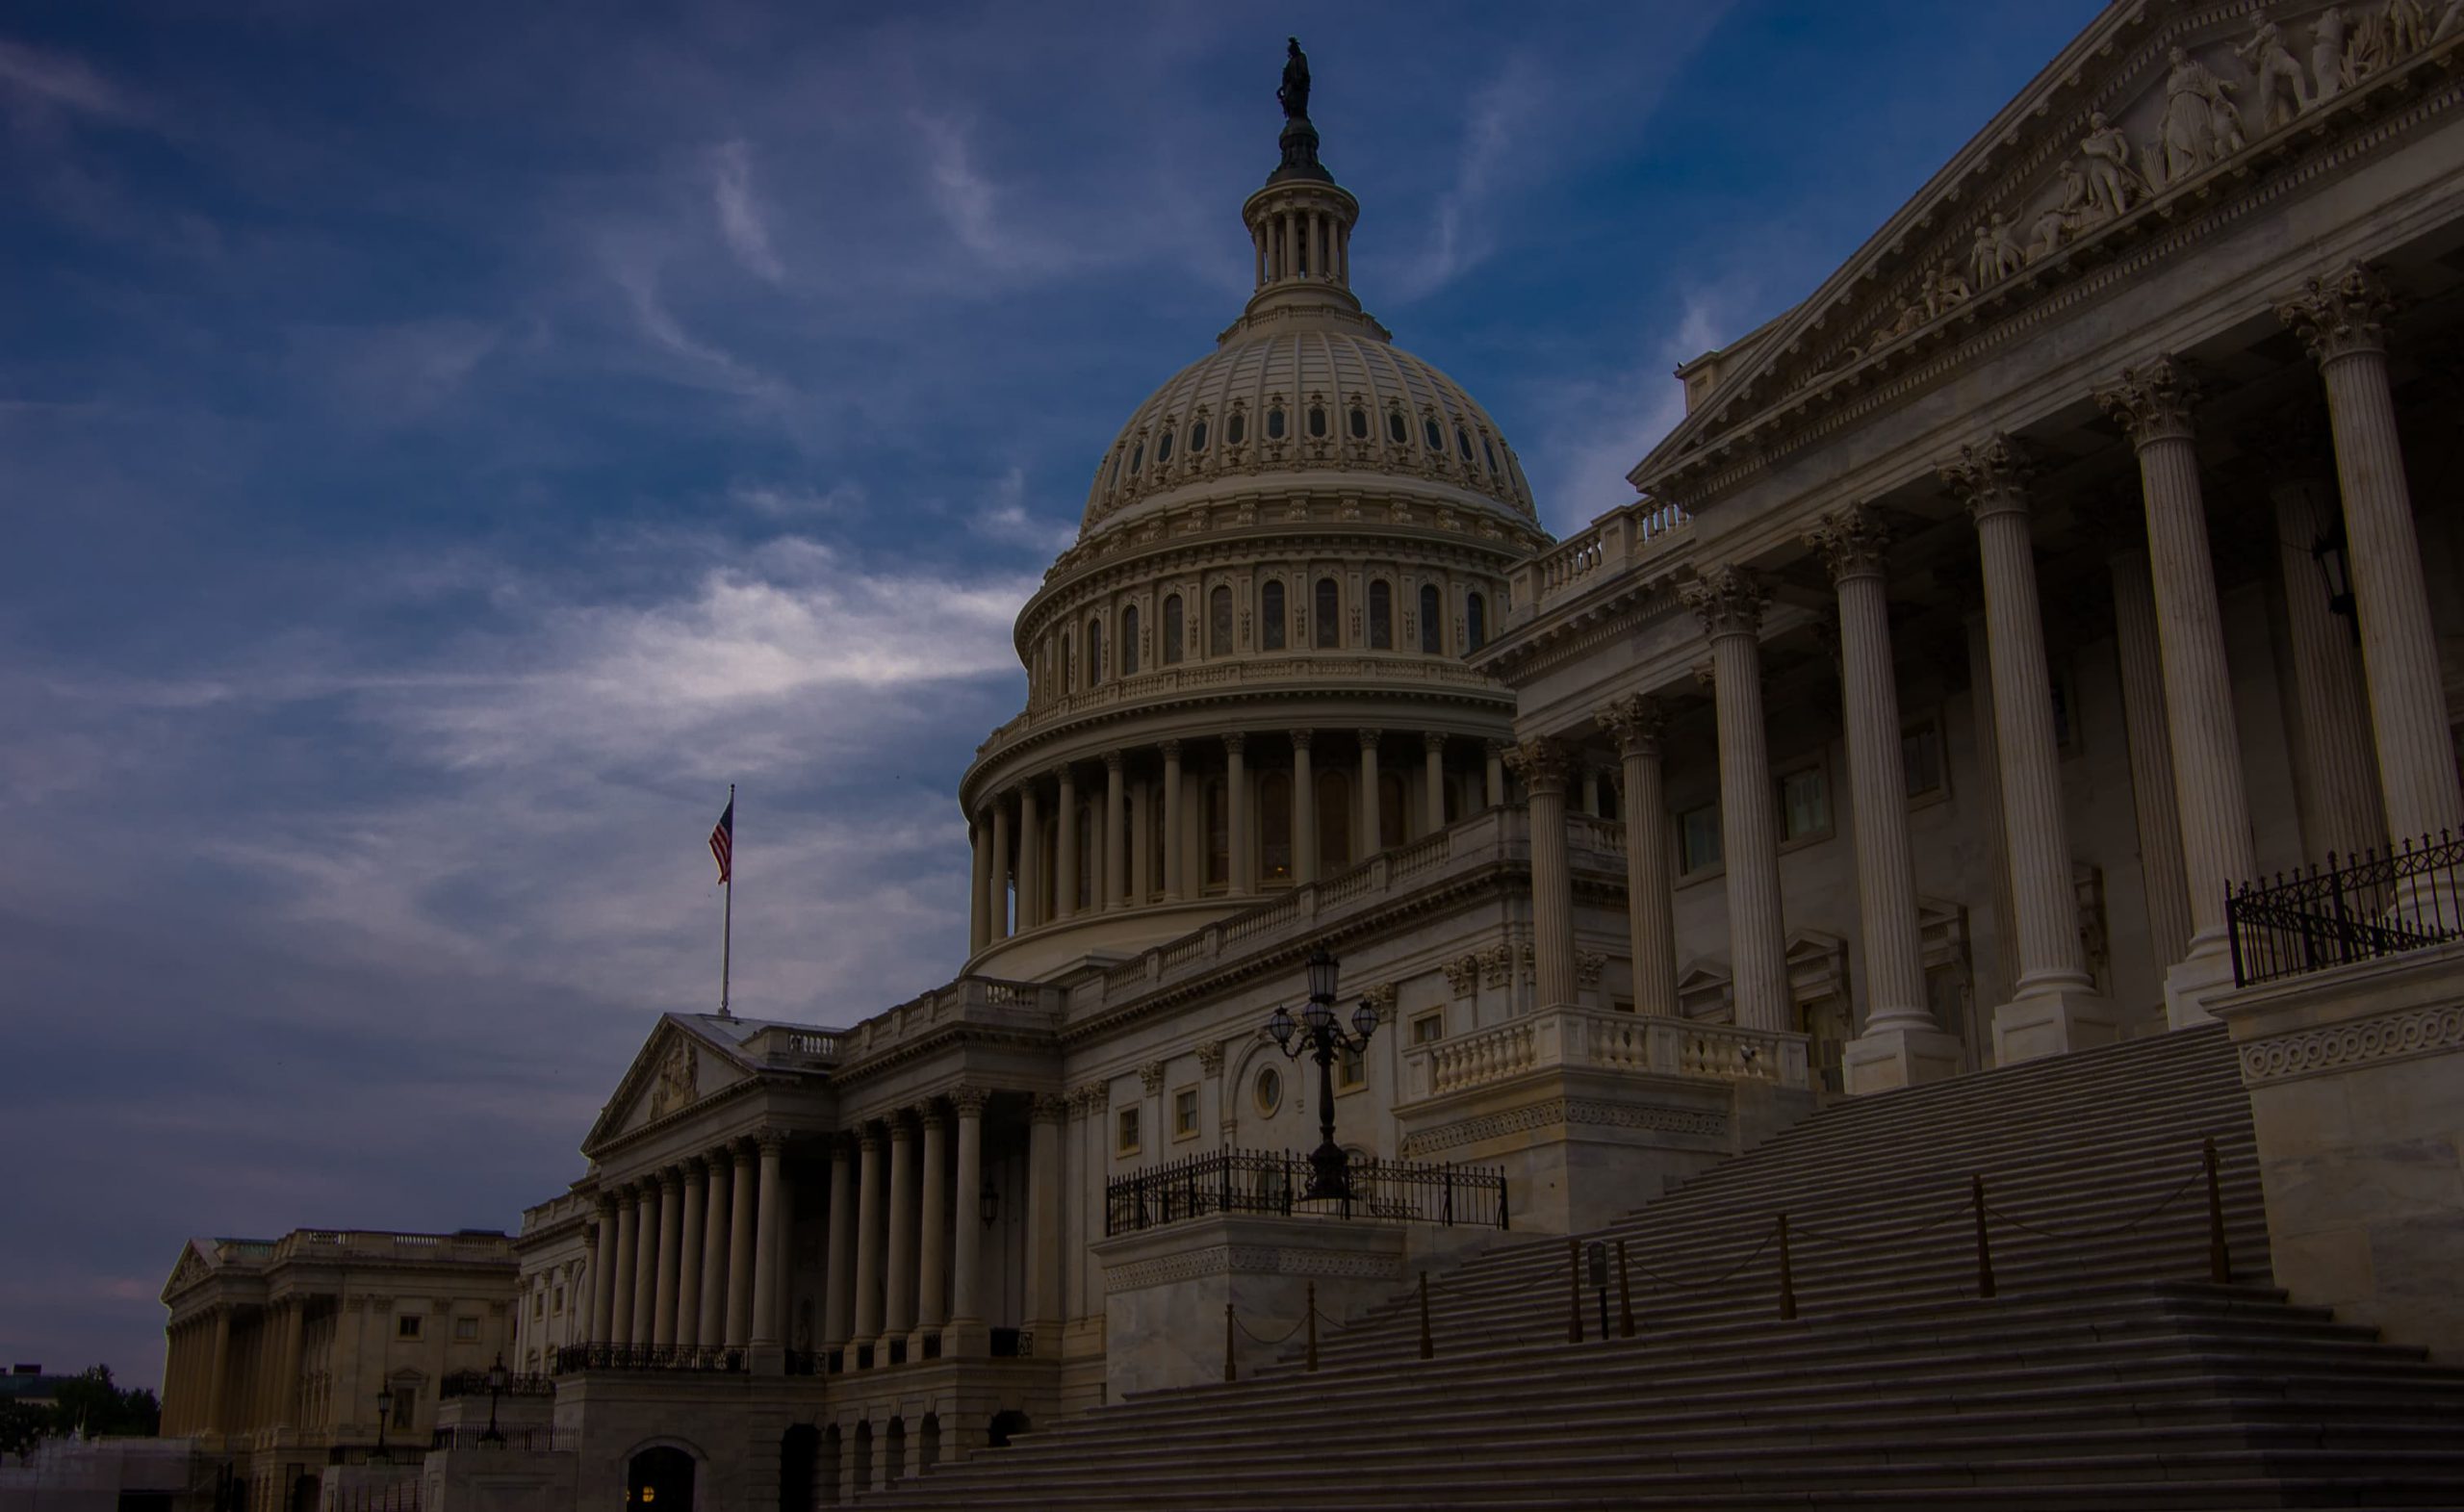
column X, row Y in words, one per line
column 2220, row 1259
column 1574, row 1290
column 1984, row 1240
column 1231, row 1356
column 1313, row 1325
column 1787, row 1277
column 1428, row 1350
column 1625, row 1295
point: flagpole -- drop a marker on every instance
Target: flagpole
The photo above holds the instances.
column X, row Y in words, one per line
column 727, row 927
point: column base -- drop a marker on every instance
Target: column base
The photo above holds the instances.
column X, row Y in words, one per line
column 1888, row 1058
column 766, row 1359
column 2194, row 981
column 965, row 1339
column 2054, row 1022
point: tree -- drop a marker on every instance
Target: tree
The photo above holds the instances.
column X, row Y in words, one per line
column 91, row 1405
column 21, row 1426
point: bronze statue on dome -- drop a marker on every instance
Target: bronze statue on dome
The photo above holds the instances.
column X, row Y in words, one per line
column 1294, row 96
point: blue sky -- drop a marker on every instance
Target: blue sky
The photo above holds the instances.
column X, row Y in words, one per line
column 442, row 446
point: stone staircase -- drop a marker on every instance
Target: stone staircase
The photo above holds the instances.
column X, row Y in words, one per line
column 2108, row 1370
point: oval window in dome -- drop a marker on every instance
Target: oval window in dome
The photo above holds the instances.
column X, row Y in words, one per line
column 1462, row 443
column 1274, row 424
column 1317, row 422
column 1197, row 435
column 1359, row 423
column 1137, row 458
column 1489, row 452
column 1429, row 433
column 1163, row 447
column 1395, row 431
column 1237, row 429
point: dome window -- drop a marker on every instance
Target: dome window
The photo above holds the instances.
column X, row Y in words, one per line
column 1330, row 614
column 1197, row 435
column 1429, row 433
column 1270, row 615
column 1432, row 621
column 1129, row 641
column 1095, row 654
column 1172, row 628
column 1397, row 431
column 1237, row 429
column 1462, row 443
column 1163, row 447
column 1381, row 616
column 1137, row 458
column 1317, row 422
column 1359, row 423
column 1274, row 424
column 1475, row 622
column 1489, row 452
column 1218, row 622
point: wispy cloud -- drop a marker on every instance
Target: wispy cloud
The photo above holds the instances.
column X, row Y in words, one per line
column 31, row 78
column 741, row 221
column 1465, row 220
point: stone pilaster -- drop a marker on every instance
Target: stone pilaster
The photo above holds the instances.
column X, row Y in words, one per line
column 603, row 1268
column 1043, row 1217
column 1174, row 861
column 997, row 881
column 1433, row 779
column 1304, row 810
column 1371, row 842
column 966, row 1336
column 2153, row 404
column 872, row 1213
column 767, row 1278
column 646, row 1235
column 838, row 1286
column 979, row 917
column 2053, row 1008
column 1636, row 723
column 710, row 1324
column 742, row 1194
column 1730, row 601
column 898, row 1263
column 688, row 1258
column 1544, row 767
column 1031, row 858
column 2342, row 322
column 1493, row 775
column 1110, row 874
column 2151, row 758
column 670, row 1252
column 1898, row 1045
column 1241, row 858
column 1064, row 871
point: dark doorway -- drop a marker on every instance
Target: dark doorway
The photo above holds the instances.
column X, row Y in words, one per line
column 799, row 1455
column 660, row 1480
column 1006, row 1423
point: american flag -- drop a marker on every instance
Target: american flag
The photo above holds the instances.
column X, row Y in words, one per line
column 723, row 838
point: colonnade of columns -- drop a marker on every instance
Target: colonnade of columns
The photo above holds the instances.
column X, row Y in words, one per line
column 2177, row 700
column 226, row 1372
column 690, row 1257
column 1157, row 837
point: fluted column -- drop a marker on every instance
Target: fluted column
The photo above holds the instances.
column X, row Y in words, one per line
column 967, row 1331
column 997, row 882
column 1142, row 843
column 217, row 1385
column 782, row 1301
column 1243, row 855
column 1636, row 723
column 1304, row 811
column 1064, row 874
column 1171, row 822
column 646, row 1266
column 688, row 1258
column 710, row 1319
column 2153, row 403
column 979, row 914
column 670, row 1254
column 2343, row 320
column 2337, row 761
column 839, row 1284
column 1730, row 601
column 620, row 1328
column 1898, row 1045
column 2161, row 870
column 1031, row 867
column 1116, row 831
column 1433, row 779
column 766, row 1243
column 932, row 1273
column 2053, row 1008
column 872, row 1215
column 898, row 1261
column 1372, row 838
column 603, row 1268
column 1542, row 764
column 1043, row 1218
column 742, row 1194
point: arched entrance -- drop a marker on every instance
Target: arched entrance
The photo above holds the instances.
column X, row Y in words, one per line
column 1004, row 1425
column 660, row 1479
column 799, row 1460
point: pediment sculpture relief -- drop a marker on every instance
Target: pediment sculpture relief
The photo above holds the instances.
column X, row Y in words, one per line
column 675, row 1085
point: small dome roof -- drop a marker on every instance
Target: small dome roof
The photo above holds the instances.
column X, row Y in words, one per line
column 1331, row 380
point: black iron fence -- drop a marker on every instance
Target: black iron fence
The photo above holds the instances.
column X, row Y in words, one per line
column 2348, row 911
column 475, row 1383
column 1272, row 1182
column 535, row 1440
column 647, row 1357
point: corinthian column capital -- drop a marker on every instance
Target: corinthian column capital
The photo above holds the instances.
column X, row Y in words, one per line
column 1988, row 476
column 1729, row 600
column 1635, row 721
column 1851, row 541
column 1543, row 762
column 2154, row 401
column 2343, row 313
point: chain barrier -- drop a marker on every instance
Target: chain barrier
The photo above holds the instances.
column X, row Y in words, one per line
column 2169, row 1200
column 1903, row 1236
column 1648, row 1274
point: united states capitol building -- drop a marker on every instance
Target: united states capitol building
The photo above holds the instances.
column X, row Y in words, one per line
column 2005, row 661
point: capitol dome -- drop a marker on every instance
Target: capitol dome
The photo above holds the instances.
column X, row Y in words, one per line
column 1250, row 673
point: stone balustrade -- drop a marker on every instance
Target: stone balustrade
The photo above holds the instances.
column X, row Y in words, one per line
column 1564, row 1038
column 1617, row 541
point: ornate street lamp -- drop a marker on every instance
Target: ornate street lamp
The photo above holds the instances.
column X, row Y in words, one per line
column 497, row 1379
column 1318, row 1032
column 384, row 1413
column 2328, row 552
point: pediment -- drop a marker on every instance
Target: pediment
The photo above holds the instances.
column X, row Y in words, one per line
column 677, row 1068
column 191, row 1267
column 2153, row 109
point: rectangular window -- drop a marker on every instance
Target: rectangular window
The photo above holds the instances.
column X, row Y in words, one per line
column 1804, row 804
column 1921, row 757
column 406, row 1326
column 1698, row 839
column 1350, row 1073
column 1428, row 1028
column 1125, row 1131
column 539, row 1304
column 559, row 1304
column 405, row 1398
column 1185, row 1114
column 466, row 1329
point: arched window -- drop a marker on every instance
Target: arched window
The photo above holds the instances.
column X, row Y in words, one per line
column 1489, row 452
column 1275, row 827
column 1137, row 458
column 1069, row 667
column 1395, row 431
column 1329, row 611
column 1317, row 422
column 1432, row 621
column 1218, row 834
column 1462, row 443
column 1270, row 614
column 1129, row 641
column 1114, row 482
column 1359, row 423
column 1171, row 629
column 1219, row 621
column 1475, row 622
column 1429, row 433
column 1197, row 435
column 1095, row 652
column 1334, row 822
column 1274, row 424
column 1381, row 615
column 1392, row 807
column 1237, row 429
column 1163, row 447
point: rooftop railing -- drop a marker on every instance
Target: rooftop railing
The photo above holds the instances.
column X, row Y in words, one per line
column 1270, row 1183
